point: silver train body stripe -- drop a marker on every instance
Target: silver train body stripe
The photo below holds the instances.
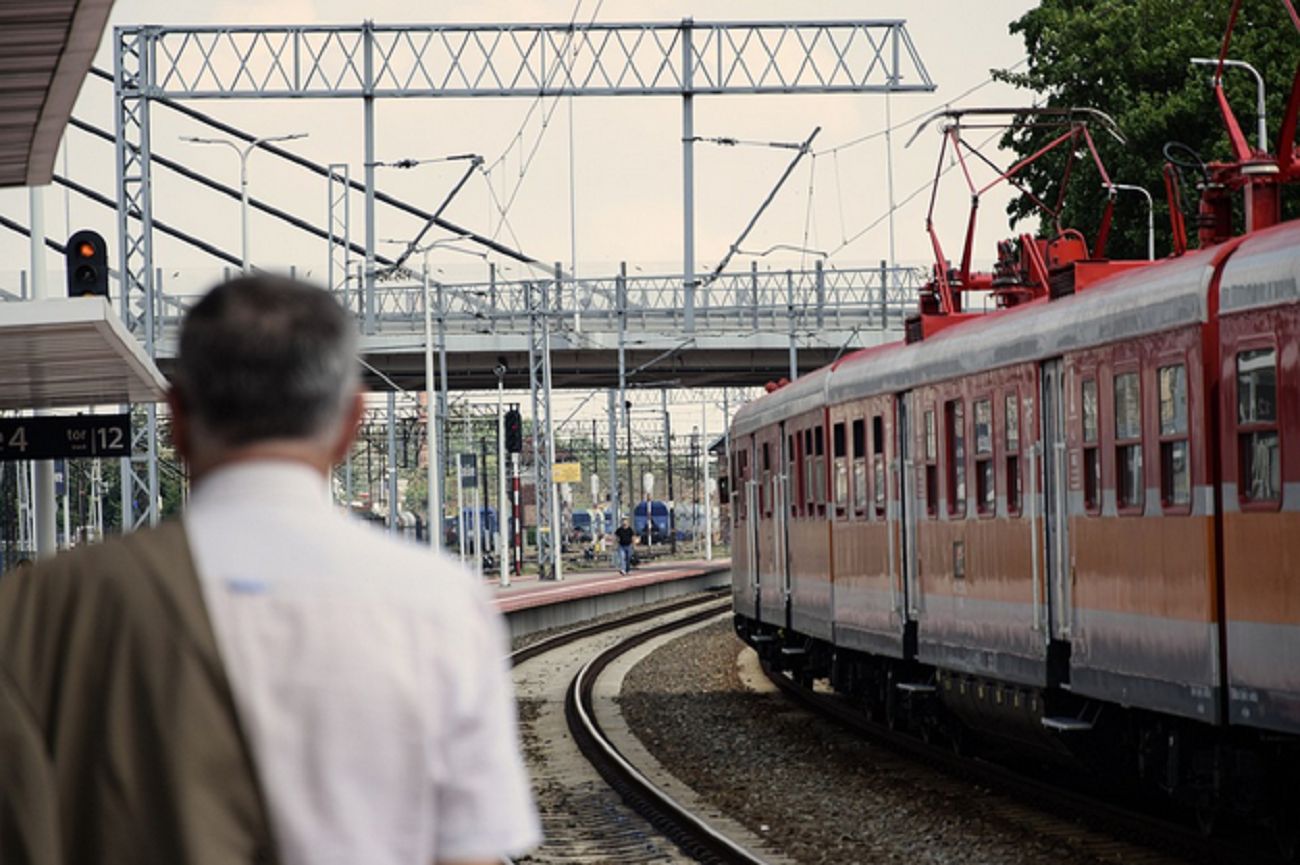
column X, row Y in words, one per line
column 1264, row 675
column 1263, row 272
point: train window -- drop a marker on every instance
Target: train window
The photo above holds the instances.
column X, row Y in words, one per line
column 1175, row 465
column 739, row 462
column 985, row 489
column 1013, row 484
column 1259, row 459
column 766, row 491
column 931, row 470
column 860, row 468
column 819, row 470
column 878, row 464
column 793, row 478
column 954, row 419
column 809, row 473
column 839, row 452
column 1091, row 452
column 1011, row 412
column 1128, row 441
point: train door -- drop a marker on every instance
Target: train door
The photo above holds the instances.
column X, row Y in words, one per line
column 785, row 485
column 770, row 541
column 752, row 535
column 906, row 510
column 1055, row 506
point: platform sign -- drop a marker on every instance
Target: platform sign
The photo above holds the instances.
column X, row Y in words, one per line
column 469, row 471
column 47, row 438
column 567, row 473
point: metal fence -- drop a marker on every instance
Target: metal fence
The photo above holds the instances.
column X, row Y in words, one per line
column 738, row 302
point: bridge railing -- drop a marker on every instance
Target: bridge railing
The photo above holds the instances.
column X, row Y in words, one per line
column 866, row 298
column 738, row 302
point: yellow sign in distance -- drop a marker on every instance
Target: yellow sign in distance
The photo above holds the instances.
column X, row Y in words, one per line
column 567, row 473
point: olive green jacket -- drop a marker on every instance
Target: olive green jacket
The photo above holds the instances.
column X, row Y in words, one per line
column 119, row 739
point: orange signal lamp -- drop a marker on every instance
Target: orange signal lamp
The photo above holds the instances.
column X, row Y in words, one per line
column 86, row 250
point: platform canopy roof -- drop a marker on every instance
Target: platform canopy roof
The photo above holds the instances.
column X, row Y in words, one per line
column 70, row 352
column 46, row 48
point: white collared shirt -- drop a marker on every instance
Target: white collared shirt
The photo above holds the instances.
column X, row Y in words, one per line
column 368, row 674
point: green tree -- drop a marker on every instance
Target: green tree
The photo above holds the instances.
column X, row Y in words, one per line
column 1130, row 58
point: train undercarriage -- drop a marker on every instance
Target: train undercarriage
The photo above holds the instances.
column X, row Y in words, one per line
column 1226, row 779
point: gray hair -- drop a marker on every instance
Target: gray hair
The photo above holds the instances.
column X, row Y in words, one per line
column 266, row 357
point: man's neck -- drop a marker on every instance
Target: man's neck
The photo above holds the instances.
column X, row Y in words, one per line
column 307, row 455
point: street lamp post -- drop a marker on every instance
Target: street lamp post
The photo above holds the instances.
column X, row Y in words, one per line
column 434, row 477
column 501, row 475
column 1151, row 214
column 1262, row 126
column 243, row 153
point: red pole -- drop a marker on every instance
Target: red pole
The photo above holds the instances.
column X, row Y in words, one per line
column 516, row 517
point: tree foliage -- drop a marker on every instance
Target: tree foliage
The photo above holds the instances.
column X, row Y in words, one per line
column 1130, row 58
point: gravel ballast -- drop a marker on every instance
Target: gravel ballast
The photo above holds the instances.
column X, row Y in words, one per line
column 819, row 793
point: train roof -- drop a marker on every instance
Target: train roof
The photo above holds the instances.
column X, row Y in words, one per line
column 1130, row 304
column 1264, row 271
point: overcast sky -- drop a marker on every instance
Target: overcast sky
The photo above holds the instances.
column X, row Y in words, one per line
column 627, row 154
column 626, row 150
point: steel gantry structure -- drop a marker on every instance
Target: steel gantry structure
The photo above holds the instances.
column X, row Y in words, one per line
column 366, row 62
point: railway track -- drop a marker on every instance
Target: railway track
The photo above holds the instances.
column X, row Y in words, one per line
column 620, row 839
column 1104, row 830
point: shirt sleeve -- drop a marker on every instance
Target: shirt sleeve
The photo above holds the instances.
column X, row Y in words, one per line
column 483, row 798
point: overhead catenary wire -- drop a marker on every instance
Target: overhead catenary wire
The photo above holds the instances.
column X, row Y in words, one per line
column 323, row 171
column 880, row 133
column 899, row 205
column 475, row 162
column 537, row 100
column 728, row 141
column 789, row 169
column 808, row 210
column 224, row 189
column 805, row 247
column 526, row 162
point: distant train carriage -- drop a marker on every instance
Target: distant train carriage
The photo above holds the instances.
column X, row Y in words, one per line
column 650, row 521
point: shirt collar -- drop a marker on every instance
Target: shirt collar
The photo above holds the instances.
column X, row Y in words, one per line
column 261, row 482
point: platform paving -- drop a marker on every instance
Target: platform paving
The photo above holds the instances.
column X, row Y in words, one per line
column 532, row 605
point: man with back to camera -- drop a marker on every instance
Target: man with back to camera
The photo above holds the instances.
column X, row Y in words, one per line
column 265, row 680
column 625, row 535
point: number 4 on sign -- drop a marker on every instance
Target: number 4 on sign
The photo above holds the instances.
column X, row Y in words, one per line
column 17, row 441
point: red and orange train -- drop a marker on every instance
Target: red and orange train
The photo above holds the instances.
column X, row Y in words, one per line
column 1075, row 519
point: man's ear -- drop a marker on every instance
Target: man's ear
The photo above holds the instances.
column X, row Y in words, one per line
column 348, row 429
column 180, row 425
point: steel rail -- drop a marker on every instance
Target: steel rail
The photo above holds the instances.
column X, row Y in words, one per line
column 670, row 817
column 573, row 635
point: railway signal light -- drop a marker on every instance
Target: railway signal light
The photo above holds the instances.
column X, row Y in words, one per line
column 87, row 260
column 514, row 431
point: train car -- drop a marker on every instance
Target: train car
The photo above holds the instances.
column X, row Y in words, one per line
column 1073, row 521
column 1259, row 441
column 650, row 519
